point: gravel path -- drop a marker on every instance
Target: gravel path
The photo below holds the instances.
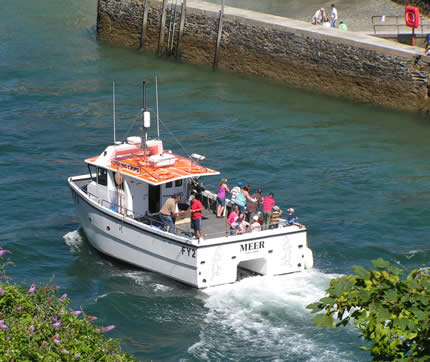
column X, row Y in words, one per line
column 355, row 13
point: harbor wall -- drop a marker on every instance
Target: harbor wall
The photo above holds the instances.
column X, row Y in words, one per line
column 347, row 64
column 423, row 5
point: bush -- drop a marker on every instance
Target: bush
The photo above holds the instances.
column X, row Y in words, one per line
column 391, row 312
column 36, row 324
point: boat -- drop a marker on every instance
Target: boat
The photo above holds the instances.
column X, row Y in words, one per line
column 118, row 205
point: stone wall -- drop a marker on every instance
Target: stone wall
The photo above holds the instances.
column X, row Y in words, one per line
column 346, row 64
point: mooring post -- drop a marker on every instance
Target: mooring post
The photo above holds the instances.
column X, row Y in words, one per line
column 144, row 22
column 98, row 18
column 162, row 25
column 181, row 30
column 173, row 28
column 218, row 40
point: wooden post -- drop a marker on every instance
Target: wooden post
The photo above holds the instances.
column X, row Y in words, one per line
column 181, row 30
column 218, row 40
column 162, row 25
column 173, row 29
column 98, row 17
column 413, row 36
column 144, row 22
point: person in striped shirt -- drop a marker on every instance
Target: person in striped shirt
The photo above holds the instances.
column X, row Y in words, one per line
column 276, row 215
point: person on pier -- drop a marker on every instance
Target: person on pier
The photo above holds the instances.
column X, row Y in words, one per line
column 333, row 16
column 319, row 17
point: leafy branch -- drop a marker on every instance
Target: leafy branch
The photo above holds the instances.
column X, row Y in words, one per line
column 391, row 311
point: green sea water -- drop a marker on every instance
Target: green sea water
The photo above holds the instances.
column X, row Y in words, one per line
column 357, row 175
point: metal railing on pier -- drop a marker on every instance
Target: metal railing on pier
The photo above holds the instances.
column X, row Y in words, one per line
column 383, row 24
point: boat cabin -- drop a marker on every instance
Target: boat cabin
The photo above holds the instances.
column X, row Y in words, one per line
column 136, row 180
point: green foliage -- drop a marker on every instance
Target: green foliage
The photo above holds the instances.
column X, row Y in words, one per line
column 392, row 312
column 36, row 324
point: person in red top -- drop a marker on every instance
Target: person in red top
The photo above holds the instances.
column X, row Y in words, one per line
column 196, row 216
column 268, row 203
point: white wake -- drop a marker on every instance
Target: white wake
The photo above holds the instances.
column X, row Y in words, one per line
column 74, row 240
column 265, row 318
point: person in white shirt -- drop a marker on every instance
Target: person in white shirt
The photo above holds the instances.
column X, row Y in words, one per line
column 255, row 226
column 333, row 16
column 319, row 17
column 235, row 191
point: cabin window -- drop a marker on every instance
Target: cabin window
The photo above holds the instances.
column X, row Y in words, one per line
column 169, row 185
column 102, row 176
column 178, row 183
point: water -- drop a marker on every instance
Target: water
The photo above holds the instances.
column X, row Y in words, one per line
column 357, row 175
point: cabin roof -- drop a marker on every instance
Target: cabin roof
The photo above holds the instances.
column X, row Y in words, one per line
column 140, row 164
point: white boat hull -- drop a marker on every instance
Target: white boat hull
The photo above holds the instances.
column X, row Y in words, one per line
column 212, row 262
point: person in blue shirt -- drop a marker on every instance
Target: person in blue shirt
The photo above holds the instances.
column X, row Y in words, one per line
column 292, row 218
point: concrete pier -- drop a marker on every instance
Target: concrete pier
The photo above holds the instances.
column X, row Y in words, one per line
column 348, row 64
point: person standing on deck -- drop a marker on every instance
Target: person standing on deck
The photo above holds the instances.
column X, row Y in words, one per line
column 220, row 198
column 235, row 191
column 242, row 198
column 168, row 211
column 196, row 216
column 268, row 203
column 276, row 216
column 252, row 206
column 333, row 16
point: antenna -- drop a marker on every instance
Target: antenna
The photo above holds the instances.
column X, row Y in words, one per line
column 156, row 102
column 143, row 95
column 146, row 120
column 113, row 104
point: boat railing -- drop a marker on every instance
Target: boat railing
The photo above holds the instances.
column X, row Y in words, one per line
column 144, row 219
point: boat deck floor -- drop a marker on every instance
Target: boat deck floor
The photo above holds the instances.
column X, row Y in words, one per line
column 211, row 226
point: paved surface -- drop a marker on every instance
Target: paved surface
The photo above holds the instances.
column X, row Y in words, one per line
column 355, row 13
column 359, row 37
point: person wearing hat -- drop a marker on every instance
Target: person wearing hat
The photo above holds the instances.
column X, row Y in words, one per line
column 220, row 197
column 235, row 191
column 255, row 226
column 276, row 215
column 196, row 210
column 292, row 218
